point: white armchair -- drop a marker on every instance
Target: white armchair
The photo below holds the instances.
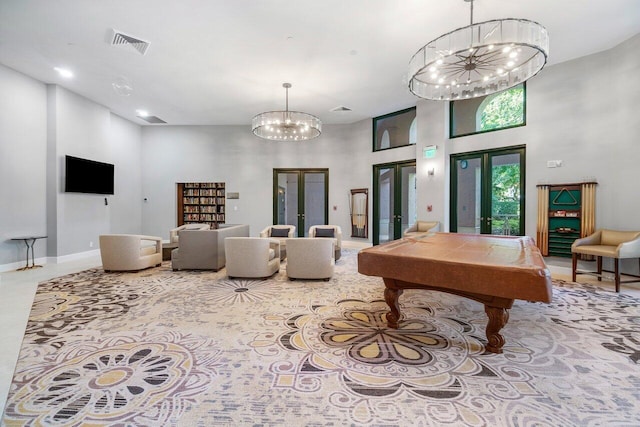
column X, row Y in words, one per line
column 129, row 252
column 331, row 231
column 310, row 258
column 422, row 227
column 282, row 232
column 174, row 236
column 252, row 256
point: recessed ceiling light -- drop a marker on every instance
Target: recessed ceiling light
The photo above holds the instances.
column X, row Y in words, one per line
column 142, row 113
column 64, row 72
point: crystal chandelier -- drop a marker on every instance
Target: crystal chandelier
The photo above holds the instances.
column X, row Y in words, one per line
column 479, row 59
column 286, row 125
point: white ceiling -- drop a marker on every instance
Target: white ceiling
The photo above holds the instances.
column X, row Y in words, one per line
column 224, row 61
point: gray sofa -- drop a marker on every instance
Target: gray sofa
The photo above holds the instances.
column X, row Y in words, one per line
column 174, row 233
column 204, row 249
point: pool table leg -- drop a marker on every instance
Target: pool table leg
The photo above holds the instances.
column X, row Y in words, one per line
column 498, row 317
column 391, row 295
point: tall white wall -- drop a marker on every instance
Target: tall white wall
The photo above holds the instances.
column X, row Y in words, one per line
column 82, row 128
column 232, row 154
column 39, row 125
column 125, row 143
column 23, row 139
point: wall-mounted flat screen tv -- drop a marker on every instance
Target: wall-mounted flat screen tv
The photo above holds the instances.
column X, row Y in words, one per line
column 87, row 176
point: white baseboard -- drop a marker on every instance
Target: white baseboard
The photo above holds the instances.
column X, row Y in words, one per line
column 74, row 257
column 19, row 264
column 51, row 260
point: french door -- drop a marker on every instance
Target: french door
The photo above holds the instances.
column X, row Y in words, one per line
column 301, row 198
column 394, row 200
column 488, row 192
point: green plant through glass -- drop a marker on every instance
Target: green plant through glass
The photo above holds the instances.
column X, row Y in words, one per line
column 505, row 200
column 502, row 110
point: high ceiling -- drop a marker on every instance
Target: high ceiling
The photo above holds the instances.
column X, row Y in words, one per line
column 224, row 61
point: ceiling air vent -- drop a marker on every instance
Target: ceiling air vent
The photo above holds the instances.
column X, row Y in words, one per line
column 116, row 38
column 151, row 119
column 340, row 109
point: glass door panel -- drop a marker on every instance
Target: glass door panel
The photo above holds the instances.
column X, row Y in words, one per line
column 407, row 199
column 314, row 200
column 394, row 199
column 386, row 209
column 487, row 192
column 506, row 184
column 287, row 198
column 469, row 179
column 301, row 198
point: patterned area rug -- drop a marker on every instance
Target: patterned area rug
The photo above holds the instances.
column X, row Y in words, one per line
column 189, row 348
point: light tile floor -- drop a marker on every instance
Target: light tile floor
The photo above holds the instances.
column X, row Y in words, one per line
column 17, row 289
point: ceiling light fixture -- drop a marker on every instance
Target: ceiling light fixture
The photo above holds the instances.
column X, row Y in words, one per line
column 286, row 125
column 479, row 59
column 67, row 74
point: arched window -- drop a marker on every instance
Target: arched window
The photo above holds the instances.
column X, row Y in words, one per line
column 488, row 113
column 386, row 141
column 413, row 131
column 395, row 129
column 501, row 110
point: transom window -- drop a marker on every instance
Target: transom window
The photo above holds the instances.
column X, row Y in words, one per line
column 501, row 110
column 393, row 130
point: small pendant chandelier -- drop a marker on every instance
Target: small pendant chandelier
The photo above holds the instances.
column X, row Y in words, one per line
column 286, row 125
column 479, row 59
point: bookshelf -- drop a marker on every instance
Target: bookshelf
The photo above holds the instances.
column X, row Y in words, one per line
column 201, row 202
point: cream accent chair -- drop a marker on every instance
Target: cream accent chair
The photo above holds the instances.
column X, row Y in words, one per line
column 609, row 244
column 174, row 236
column 252, row 256
column 310, row 258
column 279, row 230
column 422, row 227
column 325, row 231
column 128, row 252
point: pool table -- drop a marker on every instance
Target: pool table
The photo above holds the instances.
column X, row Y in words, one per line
column 494, row 270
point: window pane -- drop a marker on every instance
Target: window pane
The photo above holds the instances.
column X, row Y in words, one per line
column 395, row 130
column 497, row 111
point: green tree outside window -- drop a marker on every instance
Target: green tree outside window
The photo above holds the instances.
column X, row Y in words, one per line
column 503, row 109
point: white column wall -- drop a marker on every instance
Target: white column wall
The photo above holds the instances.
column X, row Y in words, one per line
column 82, row 128
column 39, row 125
column 23, row 148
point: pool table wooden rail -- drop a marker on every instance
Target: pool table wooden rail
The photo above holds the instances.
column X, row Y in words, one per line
column 492, row 270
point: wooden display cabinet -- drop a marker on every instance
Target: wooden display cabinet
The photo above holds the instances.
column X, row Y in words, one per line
column 565, row 210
